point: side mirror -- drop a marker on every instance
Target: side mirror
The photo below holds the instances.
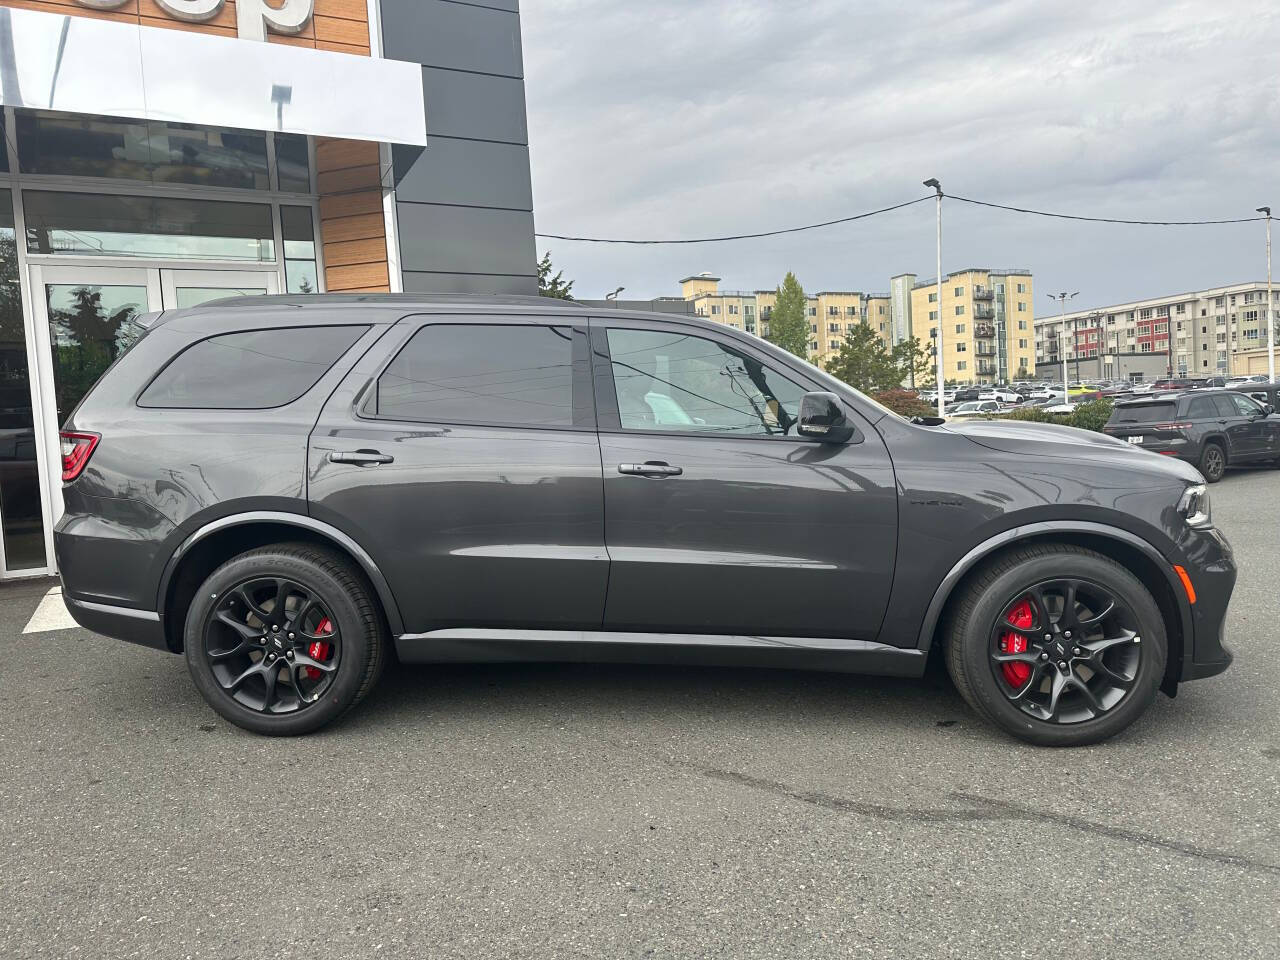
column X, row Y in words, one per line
column 1268, row 409
column 823, row 418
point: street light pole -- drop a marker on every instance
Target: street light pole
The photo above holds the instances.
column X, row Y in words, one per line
column 1271, row 308
column 1062, row 298
column 942, row 403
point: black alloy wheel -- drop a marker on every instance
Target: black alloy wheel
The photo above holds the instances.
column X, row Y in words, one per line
column 1066, row 650
column 272, row 644
column 285, row 638
column 1056, row 644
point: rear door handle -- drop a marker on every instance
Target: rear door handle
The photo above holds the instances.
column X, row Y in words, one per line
column 651, row 468
column 364, row 458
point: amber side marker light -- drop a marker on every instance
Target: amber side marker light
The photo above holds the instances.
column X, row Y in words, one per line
column 1186, row 583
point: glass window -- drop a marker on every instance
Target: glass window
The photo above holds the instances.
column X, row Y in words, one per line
column 1143, row 412
column 172, row 227
column 1225, row 407
column 1202, row 408
column 150, row 151
column 250, row 370
column 672, row 381
column 293, row 163
column 1245, row 406
column 89, row 326
column 299, row 250
column 472, row 373
column 20, row 518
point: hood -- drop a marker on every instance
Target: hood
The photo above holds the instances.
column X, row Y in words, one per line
column 1027, row 438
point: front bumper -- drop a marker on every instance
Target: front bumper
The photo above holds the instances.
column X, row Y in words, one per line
column 122, row 623
column 1212, row 567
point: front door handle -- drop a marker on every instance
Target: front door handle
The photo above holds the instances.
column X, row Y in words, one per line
column 650, row 468
column 363, row 458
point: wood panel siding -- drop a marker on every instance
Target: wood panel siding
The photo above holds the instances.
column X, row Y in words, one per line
column 352, row 226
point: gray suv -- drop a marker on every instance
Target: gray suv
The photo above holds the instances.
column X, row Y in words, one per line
column 293, row 491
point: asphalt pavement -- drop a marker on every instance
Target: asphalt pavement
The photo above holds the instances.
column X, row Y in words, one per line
column 583, row 811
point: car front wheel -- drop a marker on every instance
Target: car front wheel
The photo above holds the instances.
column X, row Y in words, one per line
column 1213, row 462
column 284, row 639
column 1056, row 644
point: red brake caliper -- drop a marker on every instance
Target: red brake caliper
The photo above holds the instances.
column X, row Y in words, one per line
column 319, row 650
column 1016, row 674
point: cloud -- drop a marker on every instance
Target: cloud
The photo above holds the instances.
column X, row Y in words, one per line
column 675, row 118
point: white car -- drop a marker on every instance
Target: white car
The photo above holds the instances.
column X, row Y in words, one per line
column 1045, row 394
column 1003, row 396
column 1059, row 407
column 1245, row 381
column 976, row 408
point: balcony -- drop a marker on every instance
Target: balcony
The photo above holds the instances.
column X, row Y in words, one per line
column 984, row 349
column 983, row 313
column 984, row 330
column 983, row 293
column 986, row 369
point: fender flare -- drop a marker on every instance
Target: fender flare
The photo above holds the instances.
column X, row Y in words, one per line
column 303, row 522
column 1026, row 531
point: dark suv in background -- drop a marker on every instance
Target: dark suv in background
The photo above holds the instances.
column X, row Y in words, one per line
column 1209, row 428
column 289, row 489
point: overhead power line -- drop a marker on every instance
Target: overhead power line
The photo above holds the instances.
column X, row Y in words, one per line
column 1072, row 216
column 743, row 236
column 899, row 206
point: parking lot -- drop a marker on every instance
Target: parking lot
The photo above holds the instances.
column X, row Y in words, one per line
column 545, row 811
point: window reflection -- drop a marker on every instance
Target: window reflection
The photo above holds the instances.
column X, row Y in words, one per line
column 20, row 517
column 171, row 227
column 149, row 151
column 299, row 236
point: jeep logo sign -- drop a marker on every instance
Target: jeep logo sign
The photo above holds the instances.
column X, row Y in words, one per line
column 253, row 17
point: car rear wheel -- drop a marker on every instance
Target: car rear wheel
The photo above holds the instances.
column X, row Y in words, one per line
column 284, row 639
column 1213, row 462
column 1056, row 644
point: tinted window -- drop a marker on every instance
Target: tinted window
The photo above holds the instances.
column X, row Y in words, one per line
column 474, row 373
column 672, row 381
column 1202, row 408
column 1142, row 413
column 1245, row 406
column 250, row 370
column 1225, row 407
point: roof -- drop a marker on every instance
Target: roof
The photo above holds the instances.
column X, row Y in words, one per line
column 700, row 276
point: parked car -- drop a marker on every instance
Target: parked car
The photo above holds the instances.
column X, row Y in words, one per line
column 286, row 490
column 1266, row 393
column 1002, row 395
column 1212, row 429
column 966, row 394
column 975, row 408
column 1243, row 381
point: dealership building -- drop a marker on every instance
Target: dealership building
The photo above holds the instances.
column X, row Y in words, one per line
column 163, row 153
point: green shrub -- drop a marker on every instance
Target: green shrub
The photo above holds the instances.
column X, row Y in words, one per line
column 1091, row 415
column 906, row 403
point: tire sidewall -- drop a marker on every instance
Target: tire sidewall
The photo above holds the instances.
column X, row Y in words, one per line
column 1006, row 587
column 1204, row 460
column 356, row 646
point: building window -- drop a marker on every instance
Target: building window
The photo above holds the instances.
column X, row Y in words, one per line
column 833, row 311
column 851, row 311
column 813, row 346
column 962, row 347
column 1144, row 314
column 733, row 308
column 959, row 291
column 1022, row 344
column 833, row 328
column 959, row 328
column 1022, row 324
column 299, row 235
column 1181, row 308
column 1022, row 288
column 813, row 328
column 1022, row 305
column 813, row 311
column 933, row 314
column 960, row 310
column 933, row 297
column 962, row 365
column 715, row 310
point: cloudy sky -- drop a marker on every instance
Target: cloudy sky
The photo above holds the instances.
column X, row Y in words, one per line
column 680, row 118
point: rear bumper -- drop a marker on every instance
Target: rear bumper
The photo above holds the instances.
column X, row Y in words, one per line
column 123, row 623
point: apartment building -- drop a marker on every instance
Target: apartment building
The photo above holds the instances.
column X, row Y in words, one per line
column 987, row 317
column 1214, row 332
column 832, row 314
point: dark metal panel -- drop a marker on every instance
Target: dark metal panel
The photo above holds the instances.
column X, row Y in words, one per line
column 419, row 281
column 470, row 172
column 435, row 237
column 459, row 36
column 474, row 105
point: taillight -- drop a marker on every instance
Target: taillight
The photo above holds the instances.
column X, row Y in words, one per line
column 77, row 448
column 1171, row 426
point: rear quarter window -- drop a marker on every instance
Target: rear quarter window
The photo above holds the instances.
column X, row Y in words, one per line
column 250, row 369
column 1143, row 413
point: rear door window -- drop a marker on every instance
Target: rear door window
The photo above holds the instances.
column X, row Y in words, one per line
column 251, row 369
column 1143, row 413
column 1225, row 407
column 492, row 374
column 1202, row 408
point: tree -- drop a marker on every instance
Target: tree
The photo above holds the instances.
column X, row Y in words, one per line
column 789, row 320
column 915, row 361
column 552, row 286
column 866, row 363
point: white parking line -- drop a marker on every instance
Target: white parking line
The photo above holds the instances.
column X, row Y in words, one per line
column 50, row 615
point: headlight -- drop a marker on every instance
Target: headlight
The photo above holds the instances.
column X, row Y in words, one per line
column 1194, row 506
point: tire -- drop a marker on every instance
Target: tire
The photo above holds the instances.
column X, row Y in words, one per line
column 345, row 670
column 976, row 617
column 1213, row 462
